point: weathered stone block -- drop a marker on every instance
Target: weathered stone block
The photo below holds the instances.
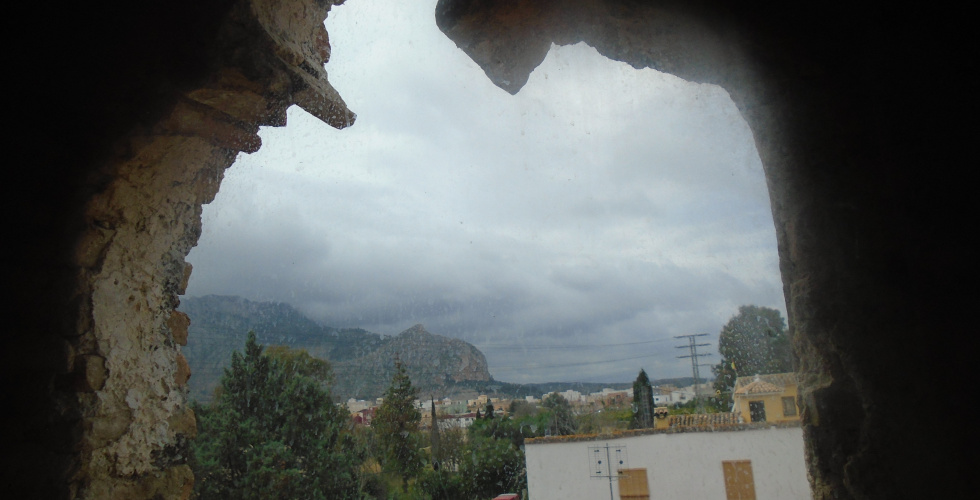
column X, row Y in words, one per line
column 91, row 372
column 184, row 422
column 188, row 269
column 178, row 324
column 183, row 371
column 109, row 427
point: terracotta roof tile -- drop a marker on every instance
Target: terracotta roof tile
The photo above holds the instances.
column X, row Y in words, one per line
column 759, row 387
column 704, row 419
column 695, row 426
column 779, row 380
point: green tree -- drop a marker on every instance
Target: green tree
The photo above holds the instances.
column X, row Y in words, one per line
column 643, row 405
column 520, row 408
column 493, row 466
column 271, row 433
column 481, row 463
column 503, row 428
column 493, row 461
column 397, row 426
column 562, row 422
column 452, row 441
column 754, row 341
column 605, row 420
column 444, row 484
column 300, row 362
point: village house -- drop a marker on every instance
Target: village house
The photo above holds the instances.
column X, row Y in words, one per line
column 461, row 421
column 766, row 398
column 698, row 457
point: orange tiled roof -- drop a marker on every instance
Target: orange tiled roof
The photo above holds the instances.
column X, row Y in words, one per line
column 759, row 387
column 779, row 380
column 703, row 419
column 697, row 423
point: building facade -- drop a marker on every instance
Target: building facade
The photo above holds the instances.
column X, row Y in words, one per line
column 767, row 398
column 743, row 461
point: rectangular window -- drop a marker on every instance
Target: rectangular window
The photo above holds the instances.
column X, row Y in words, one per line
column 633, row 484
column 789, row 407
column 757, row 411
column 739, row 483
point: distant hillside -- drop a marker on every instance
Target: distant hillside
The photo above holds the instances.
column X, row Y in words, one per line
column 435, row 364
column 362, row 361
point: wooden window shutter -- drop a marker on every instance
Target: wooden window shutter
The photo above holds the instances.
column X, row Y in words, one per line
column 633, row 484
column 739, row 483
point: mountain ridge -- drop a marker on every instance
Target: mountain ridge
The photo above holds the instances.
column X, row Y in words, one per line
column 362, row 361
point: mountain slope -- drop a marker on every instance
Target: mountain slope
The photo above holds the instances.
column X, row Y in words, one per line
column 362, row 361
column 434, row 363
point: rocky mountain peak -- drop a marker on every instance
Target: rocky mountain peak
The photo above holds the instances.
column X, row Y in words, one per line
column 417, row 330
column 361, row 360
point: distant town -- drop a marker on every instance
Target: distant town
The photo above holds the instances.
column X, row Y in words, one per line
column 462, row 413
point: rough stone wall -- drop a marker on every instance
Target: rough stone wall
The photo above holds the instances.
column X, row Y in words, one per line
column 124, row 382
column 136, row 418
column 146, row 220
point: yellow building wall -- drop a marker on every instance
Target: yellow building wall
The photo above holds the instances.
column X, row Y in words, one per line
column 773, row 404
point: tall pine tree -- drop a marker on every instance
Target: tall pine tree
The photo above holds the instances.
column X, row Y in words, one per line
column 272, row 432
column 397, row 426
column 642, row 402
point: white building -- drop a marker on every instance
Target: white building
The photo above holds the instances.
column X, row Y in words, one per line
column 457, row 421
column 569, row 395
column 695, row 463
column 686, row 394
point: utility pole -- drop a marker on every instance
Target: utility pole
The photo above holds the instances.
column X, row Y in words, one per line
column 693, row 347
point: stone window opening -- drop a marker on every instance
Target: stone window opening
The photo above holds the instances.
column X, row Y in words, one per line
column 864, row 234
column 739, row 480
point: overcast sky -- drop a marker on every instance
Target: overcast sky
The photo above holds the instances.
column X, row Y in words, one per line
column 592, row 217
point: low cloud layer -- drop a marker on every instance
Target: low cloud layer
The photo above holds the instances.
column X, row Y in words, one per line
column 569, row 231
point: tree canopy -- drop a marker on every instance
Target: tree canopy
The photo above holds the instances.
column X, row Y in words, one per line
column 562, row 422
column 754, row 341
column 272, row 432
column 300, row 362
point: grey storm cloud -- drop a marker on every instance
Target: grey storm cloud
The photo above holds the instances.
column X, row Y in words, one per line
column 589, row 218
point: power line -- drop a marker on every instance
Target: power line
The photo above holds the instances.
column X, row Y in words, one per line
column 582, row 363
column 233, row 338
column 564, row 346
